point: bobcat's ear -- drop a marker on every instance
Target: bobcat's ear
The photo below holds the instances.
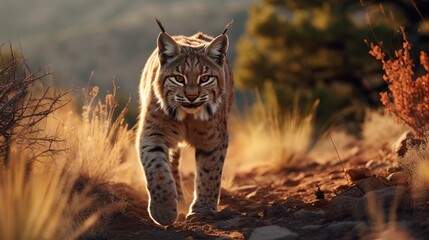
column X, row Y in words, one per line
column 168, row 49
column 216, row 49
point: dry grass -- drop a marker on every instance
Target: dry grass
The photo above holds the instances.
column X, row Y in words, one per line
column 59, row 172
column 100, row 144
column 66, row 194
column 101, row 154
column 415, row 164
column 266, row 134
column 40, row 204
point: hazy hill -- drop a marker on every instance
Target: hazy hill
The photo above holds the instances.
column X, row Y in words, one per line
column 113, row 38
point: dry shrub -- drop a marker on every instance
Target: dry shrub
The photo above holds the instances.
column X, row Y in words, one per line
column 267, row 134
column 26, row 100
column 407, row 97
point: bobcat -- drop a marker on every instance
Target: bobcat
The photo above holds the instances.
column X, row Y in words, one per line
column 186, row 93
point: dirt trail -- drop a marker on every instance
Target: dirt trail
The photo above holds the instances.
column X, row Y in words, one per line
column 340, row 209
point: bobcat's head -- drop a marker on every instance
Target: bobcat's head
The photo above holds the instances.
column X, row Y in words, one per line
column 191, row 76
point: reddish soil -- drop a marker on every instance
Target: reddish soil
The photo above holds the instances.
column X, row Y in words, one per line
column 340, row 209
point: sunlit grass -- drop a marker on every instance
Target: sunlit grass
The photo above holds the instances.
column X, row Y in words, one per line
column 266, row 133
column 415, row 164
column 57, row 197
column 100, row 143
column 40, row 204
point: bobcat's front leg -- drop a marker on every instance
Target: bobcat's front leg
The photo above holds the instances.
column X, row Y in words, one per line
column 160, row 181
column 208, row 177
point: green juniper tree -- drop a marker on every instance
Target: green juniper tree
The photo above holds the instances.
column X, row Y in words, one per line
column 315, row 49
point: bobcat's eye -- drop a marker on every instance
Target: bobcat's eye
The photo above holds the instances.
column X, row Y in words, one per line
column 179, row 78
column 204, row 79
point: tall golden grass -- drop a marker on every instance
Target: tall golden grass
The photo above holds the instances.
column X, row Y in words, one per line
column 266, row 133
column 55, row 198
column 40, row 204
column 100, row 143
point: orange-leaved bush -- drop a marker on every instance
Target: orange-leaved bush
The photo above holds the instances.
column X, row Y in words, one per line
column 407, row 96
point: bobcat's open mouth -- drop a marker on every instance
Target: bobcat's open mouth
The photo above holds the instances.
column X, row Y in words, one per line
column 192, row 105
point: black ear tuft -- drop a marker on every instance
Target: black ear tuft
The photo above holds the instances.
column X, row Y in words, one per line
column 160, row 25
column 216, row 49
column 168, row 48
column 227, row 27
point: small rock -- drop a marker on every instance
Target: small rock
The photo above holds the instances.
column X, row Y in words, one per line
column 400, row 146
column 355, row 150
column 253, row 215
column 385, row 196
column 291, row 183
column 304, row 214
column 380, row 165
column 234, row 223
column 275, row 211
column 370, row 163
column 311, row 227
column 397, row 179
column 343, row 206
column 273, row 232
column 362, row 229
column 371, row 184
column 358, row 173
column 226, row 213
column 223, row 238
column 361, row 187
column 340, row 229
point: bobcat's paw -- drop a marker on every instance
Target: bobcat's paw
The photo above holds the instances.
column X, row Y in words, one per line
column 163, row 212
column 201, row 214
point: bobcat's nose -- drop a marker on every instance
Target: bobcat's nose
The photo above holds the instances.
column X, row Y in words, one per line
column 191, row 97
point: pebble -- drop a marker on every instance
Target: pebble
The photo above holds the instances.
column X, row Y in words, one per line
column 400, row 147
column 341, row 207
column 223, row 238
column 253, row 215
column 358, row 173
column 340, row 229
column 311, row 227
column 304, row 214
column 234, row 223
column 273, row 232
column 274, row 211
column 226, row 213
column 385, row 196
column 371, row 184
column 397, row 179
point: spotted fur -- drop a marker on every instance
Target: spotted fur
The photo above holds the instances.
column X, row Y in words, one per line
column 186, row 92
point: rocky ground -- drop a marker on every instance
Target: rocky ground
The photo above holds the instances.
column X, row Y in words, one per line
column 362, row 196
